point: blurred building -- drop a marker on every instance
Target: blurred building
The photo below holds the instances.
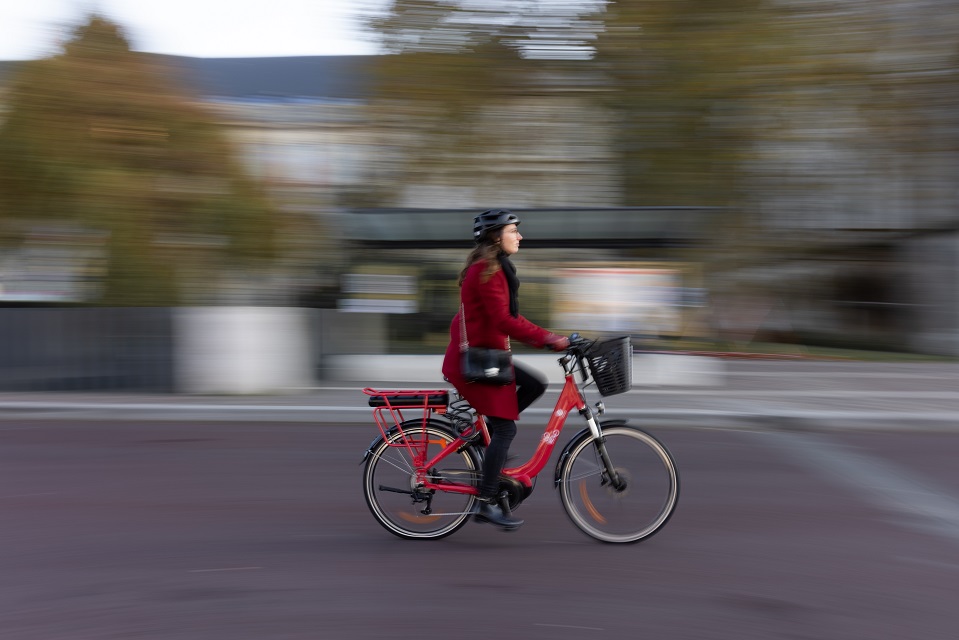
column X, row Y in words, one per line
column 873, row 253
column 873, row 247
column 307, row 124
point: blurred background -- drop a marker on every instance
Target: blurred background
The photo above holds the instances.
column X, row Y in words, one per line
column 744, row 177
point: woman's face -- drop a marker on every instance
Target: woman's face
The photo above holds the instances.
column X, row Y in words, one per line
column 509, row 239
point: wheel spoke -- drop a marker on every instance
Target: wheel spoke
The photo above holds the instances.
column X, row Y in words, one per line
column 406, row 467
column 582, row 475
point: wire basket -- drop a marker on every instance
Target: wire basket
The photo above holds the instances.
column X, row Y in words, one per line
column 611, row 365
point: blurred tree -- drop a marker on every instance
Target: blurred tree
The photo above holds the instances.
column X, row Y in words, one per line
column 703, row 95
column 689, row 84
column 538, row 29
column 451, row 59
column 102, row 138
column 687, row 77
column 681, row 78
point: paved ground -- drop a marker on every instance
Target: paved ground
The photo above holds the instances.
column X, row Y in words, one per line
column 245, row 530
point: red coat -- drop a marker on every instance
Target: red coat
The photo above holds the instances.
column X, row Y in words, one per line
column 488, row 324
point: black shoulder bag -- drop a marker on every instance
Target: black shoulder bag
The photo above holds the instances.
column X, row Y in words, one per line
column 480, row 364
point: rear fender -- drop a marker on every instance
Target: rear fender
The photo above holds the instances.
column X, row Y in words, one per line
column 408, row 424
column 369, row 449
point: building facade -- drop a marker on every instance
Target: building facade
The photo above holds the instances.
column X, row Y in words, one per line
column 865, row 229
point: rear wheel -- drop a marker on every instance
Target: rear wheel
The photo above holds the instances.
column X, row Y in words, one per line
column 639, row 505
column 396, row 500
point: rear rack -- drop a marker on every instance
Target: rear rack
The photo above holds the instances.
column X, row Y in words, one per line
column 389, row 405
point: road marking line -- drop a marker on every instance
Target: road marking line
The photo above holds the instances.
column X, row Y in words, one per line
column 29, row 495
column 567, row 626
column 932, row 563
column 224, row 569
column 842, row 374
column 886, row 485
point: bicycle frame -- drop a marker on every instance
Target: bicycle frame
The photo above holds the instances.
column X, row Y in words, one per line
column 570, row 398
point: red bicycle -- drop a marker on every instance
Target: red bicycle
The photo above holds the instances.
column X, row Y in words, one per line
column 616, row 483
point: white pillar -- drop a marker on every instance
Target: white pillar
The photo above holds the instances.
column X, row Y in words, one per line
column 241, row 350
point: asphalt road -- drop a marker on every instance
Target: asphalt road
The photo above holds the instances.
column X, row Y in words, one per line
column 252, row 530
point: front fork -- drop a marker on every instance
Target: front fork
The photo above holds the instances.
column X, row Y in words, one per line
column 610, row 475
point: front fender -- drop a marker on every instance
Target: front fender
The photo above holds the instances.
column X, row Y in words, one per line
column 585, row 434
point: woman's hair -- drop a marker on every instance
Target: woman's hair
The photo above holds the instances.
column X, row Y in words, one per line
column 488, row 249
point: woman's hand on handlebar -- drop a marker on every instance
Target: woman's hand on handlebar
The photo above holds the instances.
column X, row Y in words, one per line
column 579, row 343
column 557, row 342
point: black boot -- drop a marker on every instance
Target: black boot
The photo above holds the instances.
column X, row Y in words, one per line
column 488, row 512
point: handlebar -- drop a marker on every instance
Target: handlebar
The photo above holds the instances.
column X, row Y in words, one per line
column 578, row 346
column 577, row 340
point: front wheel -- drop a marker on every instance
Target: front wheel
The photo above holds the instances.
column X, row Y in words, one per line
column 634, row 505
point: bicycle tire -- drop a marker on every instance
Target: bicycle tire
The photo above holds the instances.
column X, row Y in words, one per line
column 389, row 483
column 628, row 515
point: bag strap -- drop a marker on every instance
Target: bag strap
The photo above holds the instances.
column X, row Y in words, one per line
column 464, row 343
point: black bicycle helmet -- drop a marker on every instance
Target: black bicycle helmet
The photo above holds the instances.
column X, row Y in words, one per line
column 490, row 220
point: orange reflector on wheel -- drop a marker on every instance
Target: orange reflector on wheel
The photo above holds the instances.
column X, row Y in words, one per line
column 589, row 504
column 418, row 519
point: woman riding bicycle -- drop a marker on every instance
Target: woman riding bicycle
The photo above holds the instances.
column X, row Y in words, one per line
column 490, row 313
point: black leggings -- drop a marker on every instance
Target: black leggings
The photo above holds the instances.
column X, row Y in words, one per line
column 530, row 385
